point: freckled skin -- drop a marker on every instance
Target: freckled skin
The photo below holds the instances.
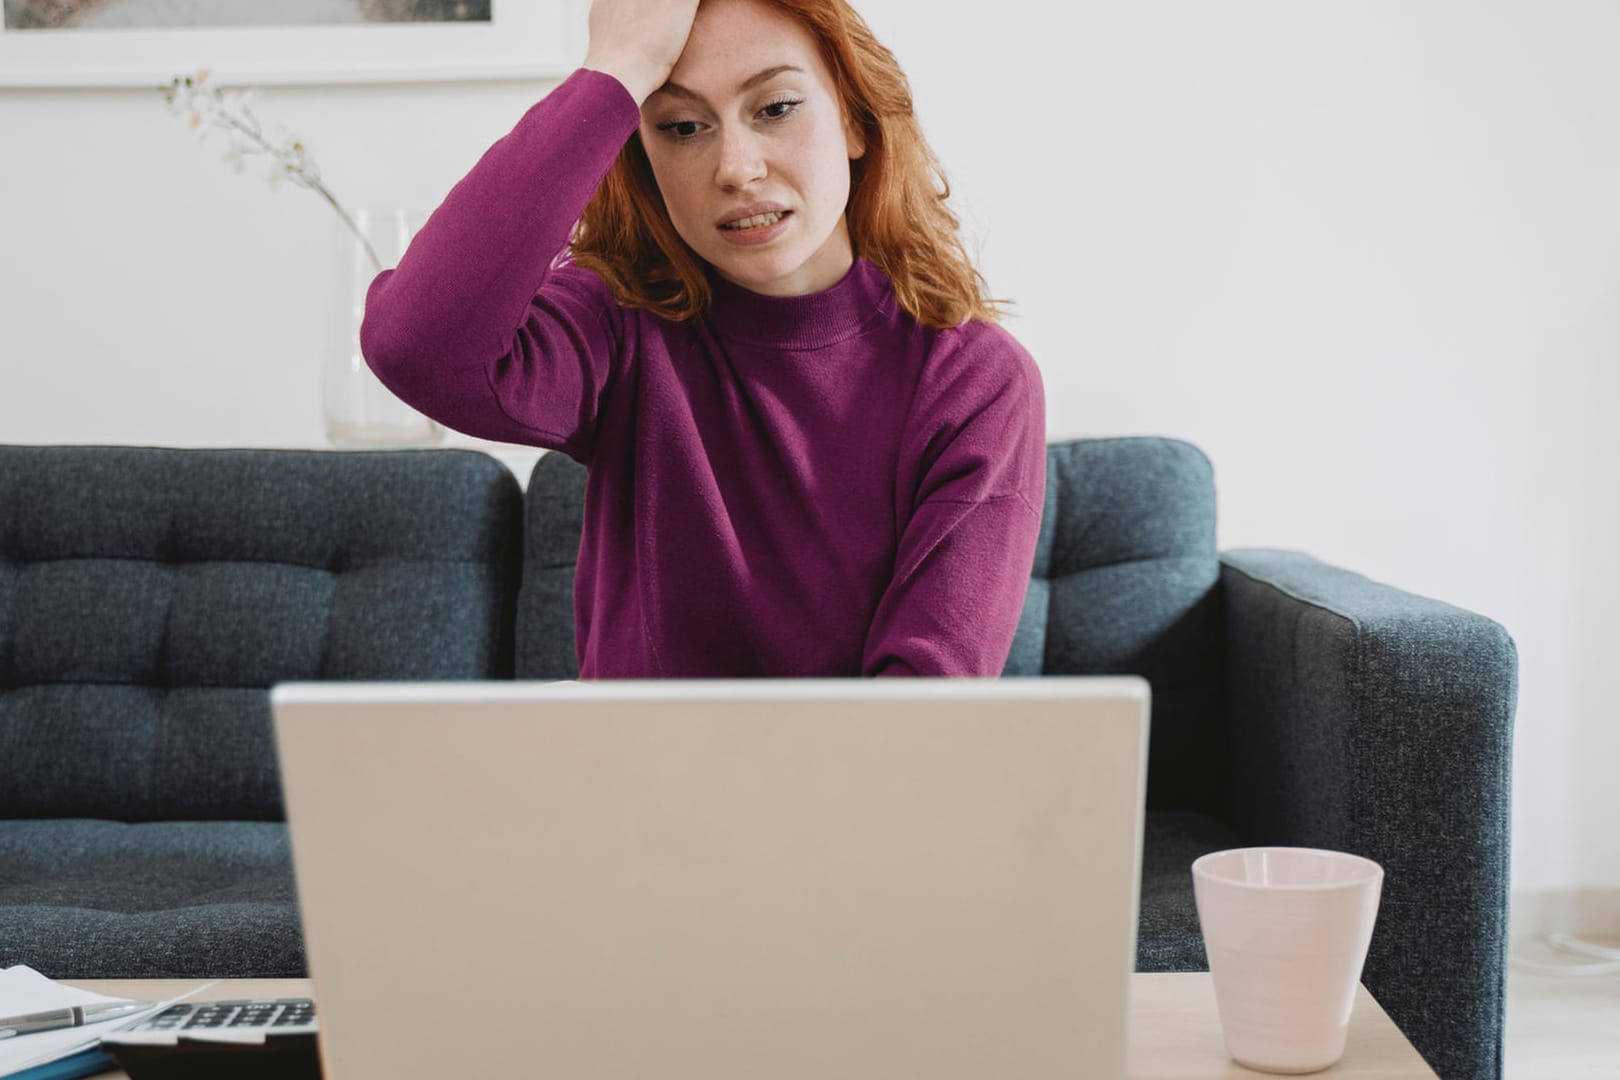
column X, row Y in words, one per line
column 783, row 141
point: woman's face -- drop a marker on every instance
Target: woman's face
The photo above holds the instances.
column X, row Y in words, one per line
column 749, row 132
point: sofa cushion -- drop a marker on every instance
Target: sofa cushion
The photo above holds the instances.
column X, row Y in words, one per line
column 100, row 899
column 1126, row 582
column 149, row 597
column 554, row 515
column 91, row 899
column 1167, row 934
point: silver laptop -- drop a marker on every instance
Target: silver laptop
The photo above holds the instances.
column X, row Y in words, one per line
column 718, row 880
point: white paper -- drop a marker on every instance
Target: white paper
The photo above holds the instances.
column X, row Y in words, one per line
column 24, row 990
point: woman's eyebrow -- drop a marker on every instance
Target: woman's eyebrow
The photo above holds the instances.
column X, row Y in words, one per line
column 674, row 89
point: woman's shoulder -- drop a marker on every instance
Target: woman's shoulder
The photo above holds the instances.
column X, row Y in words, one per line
column 568, row 277
column 979, row 352
column 989, row 339
column 582, row 291
column 978, row 375
column 582, row 286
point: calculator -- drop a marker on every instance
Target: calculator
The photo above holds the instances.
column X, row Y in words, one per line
column 263, row 1037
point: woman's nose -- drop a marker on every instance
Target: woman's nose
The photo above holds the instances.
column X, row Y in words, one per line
column 742, row 159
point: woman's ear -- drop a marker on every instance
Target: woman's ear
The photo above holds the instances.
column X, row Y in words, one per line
column 854, row 139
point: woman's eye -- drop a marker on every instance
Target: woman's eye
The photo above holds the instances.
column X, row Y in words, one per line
column 681, row 129
column 780, row 110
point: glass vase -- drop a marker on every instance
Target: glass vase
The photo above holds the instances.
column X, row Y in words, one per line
column 359, row 411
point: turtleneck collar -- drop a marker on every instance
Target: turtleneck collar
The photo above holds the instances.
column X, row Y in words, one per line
column 813, row 321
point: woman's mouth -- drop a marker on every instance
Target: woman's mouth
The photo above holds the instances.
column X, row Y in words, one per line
column 757, row 229
column 756, row 221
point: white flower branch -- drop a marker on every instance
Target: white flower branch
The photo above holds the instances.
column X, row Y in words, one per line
column 231, row 110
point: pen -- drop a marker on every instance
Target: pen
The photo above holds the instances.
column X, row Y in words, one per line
column 64, row 1018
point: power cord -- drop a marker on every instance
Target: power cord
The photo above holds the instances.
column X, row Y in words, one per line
column 1606, row 961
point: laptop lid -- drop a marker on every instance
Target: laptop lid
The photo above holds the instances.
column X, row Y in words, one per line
column 718, row 880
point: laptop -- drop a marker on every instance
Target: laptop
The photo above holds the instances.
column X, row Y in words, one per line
column 718, row 880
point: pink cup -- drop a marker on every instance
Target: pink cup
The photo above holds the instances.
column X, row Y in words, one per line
column 1286, row 930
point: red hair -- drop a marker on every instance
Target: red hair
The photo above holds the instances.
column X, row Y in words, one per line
column 897, row 214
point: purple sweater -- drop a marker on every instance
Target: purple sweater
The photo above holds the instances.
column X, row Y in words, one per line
column 805, row 486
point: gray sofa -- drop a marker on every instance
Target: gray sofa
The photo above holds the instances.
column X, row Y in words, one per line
column 1293, row 703
column 148, row 599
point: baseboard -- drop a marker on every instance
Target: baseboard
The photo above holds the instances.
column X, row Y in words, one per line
column 1591, row 913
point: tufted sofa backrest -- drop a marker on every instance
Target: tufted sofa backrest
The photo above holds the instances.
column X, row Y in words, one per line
column 148, row 597
column 553, row 517
column 1125, row 582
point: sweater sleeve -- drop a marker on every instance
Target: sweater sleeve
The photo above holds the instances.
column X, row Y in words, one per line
column 482, row 326
column 965, row 554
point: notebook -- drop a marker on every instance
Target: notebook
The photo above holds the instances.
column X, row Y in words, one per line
column 718, row 880
column 65, row 1052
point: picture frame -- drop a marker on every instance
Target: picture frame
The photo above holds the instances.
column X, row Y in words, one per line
column 523, row 39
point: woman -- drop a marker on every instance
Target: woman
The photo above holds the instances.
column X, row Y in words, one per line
column 811, row 450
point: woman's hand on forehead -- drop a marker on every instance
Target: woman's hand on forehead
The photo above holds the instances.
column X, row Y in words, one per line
column 638, row 41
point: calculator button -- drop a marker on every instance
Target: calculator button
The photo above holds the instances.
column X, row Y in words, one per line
column 212, row 1016
column 295, row 1014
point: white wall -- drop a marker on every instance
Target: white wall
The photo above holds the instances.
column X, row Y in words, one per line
column 1366, row 255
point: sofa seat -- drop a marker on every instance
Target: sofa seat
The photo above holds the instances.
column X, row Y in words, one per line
column 185, row 899
column 1167, row 935
column 86, row 899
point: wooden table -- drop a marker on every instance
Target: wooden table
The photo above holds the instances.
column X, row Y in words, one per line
column 1175, row 1030
column 1176, row 1035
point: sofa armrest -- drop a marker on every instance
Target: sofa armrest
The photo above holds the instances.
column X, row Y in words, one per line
column 1370, row 720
